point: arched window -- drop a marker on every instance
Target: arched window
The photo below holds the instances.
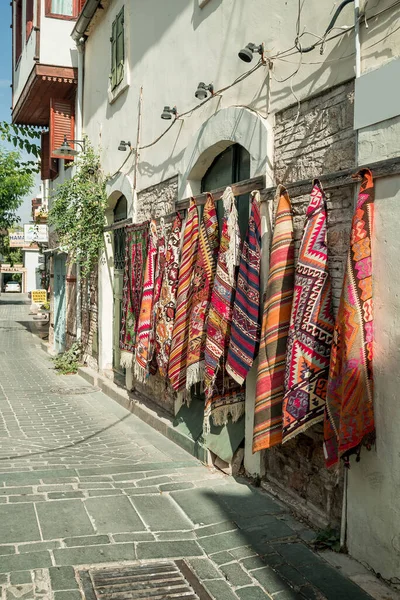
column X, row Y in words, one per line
column 120, row 214
column 231, row 166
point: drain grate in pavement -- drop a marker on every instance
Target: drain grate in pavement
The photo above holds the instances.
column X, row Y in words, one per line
column 153, row 581
column 77, row 391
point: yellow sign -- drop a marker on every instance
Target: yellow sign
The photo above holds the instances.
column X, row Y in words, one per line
column 39, row 296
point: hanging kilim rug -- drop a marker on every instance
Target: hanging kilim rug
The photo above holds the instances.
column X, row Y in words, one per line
column 158, row 278
column 141, row 370
column 202, row 282
column 135, row 259
column 311, row 326
column 180, row 334
column 165, row 312
column 349, row 417
column 245, row 331
column 219, row 322
column 275, row 329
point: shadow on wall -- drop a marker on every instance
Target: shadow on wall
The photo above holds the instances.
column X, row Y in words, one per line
column 200, row 14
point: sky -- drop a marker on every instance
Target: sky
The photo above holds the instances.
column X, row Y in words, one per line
column 5, row 92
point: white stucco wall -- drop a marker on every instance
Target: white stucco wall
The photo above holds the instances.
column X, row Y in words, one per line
column 373, row 493
column 26, row 62
column 172, row 46
column 31, row 263
column 56, row 47
column 374, row 483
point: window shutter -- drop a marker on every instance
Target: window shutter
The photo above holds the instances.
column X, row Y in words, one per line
column 114, row 55
column 45, row 157
column 120, row 47
column 48, row 165
column 62, row 123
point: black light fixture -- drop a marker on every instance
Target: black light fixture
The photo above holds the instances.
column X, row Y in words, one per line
column 168, row 112
column 246, row 54
column 124, row 145
column 66, row 150
column 203, row 89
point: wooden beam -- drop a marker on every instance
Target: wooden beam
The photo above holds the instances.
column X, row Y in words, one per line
column 242, row 187
column 118, row 225
column 382, row 168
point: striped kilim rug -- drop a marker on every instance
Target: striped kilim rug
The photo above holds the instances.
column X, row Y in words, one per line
column 202, row 283
column 180, row 334
column 275, row 329
column 245, row 331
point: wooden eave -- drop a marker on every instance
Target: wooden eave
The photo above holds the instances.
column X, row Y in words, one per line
column 44, row 82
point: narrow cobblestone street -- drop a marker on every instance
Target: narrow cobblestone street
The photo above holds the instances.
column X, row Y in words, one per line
column 83, row 482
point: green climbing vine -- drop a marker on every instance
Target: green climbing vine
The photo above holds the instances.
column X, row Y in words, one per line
column 77, row 211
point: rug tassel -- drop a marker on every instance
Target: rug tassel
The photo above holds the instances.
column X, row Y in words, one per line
column 220, row 416
column 140, row 373
column 194, row 374
column 126, row 359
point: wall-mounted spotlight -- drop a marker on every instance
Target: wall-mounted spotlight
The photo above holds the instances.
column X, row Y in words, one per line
column 168, row 112
column 203, row 89
column 124, row 145
column 246, row 54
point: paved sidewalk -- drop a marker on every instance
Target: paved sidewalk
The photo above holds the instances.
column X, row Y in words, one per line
column 84, row 482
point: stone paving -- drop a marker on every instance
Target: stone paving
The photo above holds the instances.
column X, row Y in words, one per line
column 84, row 482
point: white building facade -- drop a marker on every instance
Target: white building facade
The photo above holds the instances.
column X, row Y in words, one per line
column 289, row 115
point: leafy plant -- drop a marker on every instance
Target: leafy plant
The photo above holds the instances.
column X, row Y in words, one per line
column 22, row 137
column 69, row 361
column 15, row 184
column 328, row 539
column 45, row 306
column 77, row 211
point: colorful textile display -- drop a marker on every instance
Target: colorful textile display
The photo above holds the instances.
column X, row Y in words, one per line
column 245, row 331
column 180, row 334
column 165, row 310
column 146, row 309
column 349, row 416
column 135, row 260
column 202, row 282
column 158, row 278
column 275, row 329
column 311, row 326
column 219, row 320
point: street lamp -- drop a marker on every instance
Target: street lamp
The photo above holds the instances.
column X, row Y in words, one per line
column 66, row 150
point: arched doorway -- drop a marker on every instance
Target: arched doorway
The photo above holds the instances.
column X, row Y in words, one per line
column 120, row 213
column 231, row 166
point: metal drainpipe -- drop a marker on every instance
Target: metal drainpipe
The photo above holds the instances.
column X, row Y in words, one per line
column 357, row 36
column 80, row 45
column 343, row 525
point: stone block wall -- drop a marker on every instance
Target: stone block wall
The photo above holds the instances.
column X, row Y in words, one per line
column 157, row 201
column 89, row 298
column 315, row 140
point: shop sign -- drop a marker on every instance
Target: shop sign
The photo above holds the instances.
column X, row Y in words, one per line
column 36, row 233
column 39, row 296
column 17, row 239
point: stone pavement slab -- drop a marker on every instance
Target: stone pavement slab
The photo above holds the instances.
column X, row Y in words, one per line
column 85, row 483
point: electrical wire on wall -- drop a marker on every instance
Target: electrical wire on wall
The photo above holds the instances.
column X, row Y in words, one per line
column 283, row 56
